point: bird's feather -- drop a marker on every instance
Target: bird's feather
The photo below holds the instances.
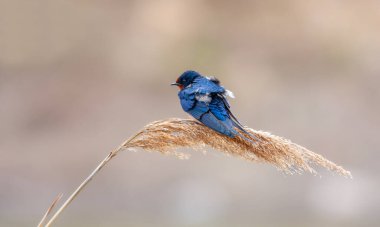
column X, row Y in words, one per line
column 224, row 127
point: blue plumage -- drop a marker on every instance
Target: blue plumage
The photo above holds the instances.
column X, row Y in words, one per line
column 206, row 101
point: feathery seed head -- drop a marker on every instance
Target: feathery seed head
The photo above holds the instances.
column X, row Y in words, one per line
column 166, row 136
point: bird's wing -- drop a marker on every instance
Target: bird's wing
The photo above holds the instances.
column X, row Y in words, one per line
column 224, row 127
column 228, row 110
column 212, row 118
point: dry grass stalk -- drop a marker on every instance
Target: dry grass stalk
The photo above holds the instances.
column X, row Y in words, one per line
column 168, row 135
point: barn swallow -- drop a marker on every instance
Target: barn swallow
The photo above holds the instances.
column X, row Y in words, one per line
column 206, row 100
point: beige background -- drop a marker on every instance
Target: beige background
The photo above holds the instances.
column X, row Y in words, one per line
column 77, row 77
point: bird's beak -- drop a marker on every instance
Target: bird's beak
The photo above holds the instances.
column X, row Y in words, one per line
column 176, row 84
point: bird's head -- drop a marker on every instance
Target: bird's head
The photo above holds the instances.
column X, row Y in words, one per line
column 186, row 79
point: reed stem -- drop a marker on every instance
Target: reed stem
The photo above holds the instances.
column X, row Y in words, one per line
column 86, row 181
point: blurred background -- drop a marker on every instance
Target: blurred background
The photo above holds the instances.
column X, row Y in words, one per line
column 79, row 77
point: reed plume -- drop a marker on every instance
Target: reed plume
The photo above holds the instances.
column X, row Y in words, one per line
column 166, row 136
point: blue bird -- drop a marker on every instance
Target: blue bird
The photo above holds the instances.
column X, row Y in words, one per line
column 206, row 100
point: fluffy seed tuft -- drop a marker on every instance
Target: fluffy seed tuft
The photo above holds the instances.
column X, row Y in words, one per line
column 166, row 136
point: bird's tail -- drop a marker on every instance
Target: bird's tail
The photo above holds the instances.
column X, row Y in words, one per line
column 244, row 134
